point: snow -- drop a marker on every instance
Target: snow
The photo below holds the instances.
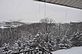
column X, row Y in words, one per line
column 1, row 51
column 2, row 27
column 74, row 50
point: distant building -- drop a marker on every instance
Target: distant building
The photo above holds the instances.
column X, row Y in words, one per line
column 10, row 24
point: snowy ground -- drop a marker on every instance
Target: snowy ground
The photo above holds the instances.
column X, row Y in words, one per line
column 1, row 52
column 74, row 50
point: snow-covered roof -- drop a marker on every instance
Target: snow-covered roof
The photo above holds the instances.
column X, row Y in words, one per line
column 69, row 3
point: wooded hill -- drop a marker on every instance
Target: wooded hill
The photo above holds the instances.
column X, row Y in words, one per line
column 55, row 30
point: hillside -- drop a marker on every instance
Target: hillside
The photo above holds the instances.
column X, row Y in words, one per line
column 11, row 34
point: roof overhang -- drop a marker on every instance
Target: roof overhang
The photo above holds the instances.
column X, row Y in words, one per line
column 69, row 3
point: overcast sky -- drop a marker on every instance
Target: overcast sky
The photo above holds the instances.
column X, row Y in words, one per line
column 32, row 11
